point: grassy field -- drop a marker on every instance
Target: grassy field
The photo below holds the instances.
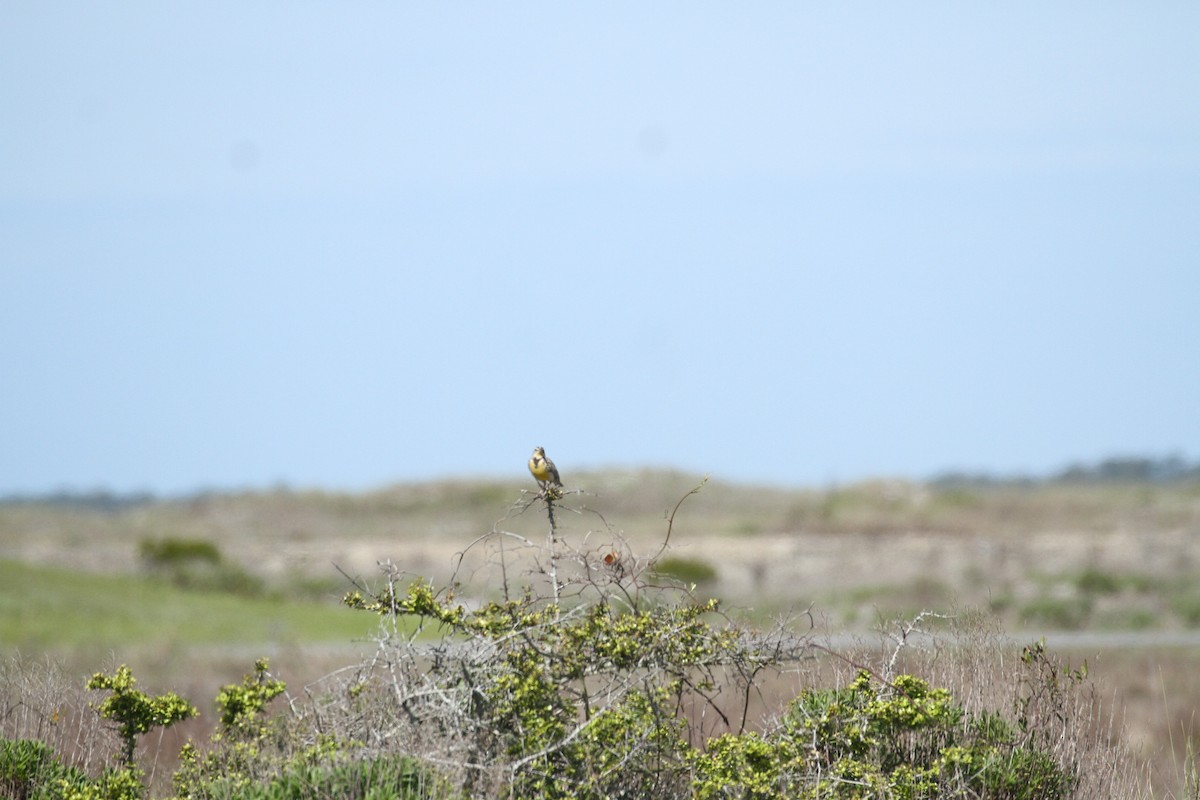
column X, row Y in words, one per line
column 51, row 608
column 1039, row 558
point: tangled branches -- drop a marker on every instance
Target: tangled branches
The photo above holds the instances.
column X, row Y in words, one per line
column 594, row 680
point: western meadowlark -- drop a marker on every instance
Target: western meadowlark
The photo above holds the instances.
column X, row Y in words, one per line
column 543, row 468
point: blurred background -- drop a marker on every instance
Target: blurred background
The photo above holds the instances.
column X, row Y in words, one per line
column 246, row 246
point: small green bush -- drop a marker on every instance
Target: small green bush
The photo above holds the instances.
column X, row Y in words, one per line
column 1097, row 581
column 242, row 706
column 391, row 777
column 172, row 552
column 1187, row 605
column 30, row 770
column 197, row 564
column 686, row 570
column 134, row 711
column 254, row 757
column 902, row 740
column 28, row 767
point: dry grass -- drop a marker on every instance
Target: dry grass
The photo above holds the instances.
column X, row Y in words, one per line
column 40, row 700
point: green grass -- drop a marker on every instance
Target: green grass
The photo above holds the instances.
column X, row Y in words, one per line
column 45, row 607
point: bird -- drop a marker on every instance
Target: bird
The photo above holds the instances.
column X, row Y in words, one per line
column 543, row 468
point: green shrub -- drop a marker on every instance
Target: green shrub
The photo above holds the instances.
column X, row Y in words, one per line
column 255, row 757
column 30, row 770
column 390, row 777
column 686, row 570
column 28, row 767
column 171, row 552
column 1096, row 581
column 580, row 703
column 136, row 712
column 197, row 564
column 901, row 740
column 1187, row 605
column 242, row 706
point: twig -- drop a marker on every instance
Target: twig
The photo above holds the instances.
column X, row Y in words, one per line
column 671, row 518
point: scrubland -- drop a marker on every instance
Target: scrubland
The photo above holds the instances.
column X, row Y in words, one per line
column 190, row 592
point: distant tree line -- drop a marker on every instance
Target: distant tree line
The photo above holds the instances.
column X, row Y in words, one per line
column 1117, row 469
column 98, row 500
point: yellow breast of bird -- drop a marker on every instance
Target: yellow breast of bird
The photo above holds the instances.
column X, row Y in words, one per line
column 539, row 469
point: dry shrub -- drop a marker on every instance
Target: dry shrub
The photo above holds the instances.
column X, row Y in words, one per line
column 38, row 701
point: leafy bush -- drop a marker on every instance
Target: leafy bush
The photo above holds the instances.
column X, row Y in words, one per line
column 572, row 688
column 1187, row 605
column 30, row 770
column 28, row 766
column 136, row 712
column 902, row 740
column 687, row 570
column 172, row 552
column 577, row 703
column 1097, row 581
column 242, row 706
column 257, row 758
column 331, row 774
column 197, row 564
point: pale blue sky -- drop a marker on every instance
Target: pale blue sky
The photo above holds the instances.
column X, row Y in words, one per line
column 343, row 244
